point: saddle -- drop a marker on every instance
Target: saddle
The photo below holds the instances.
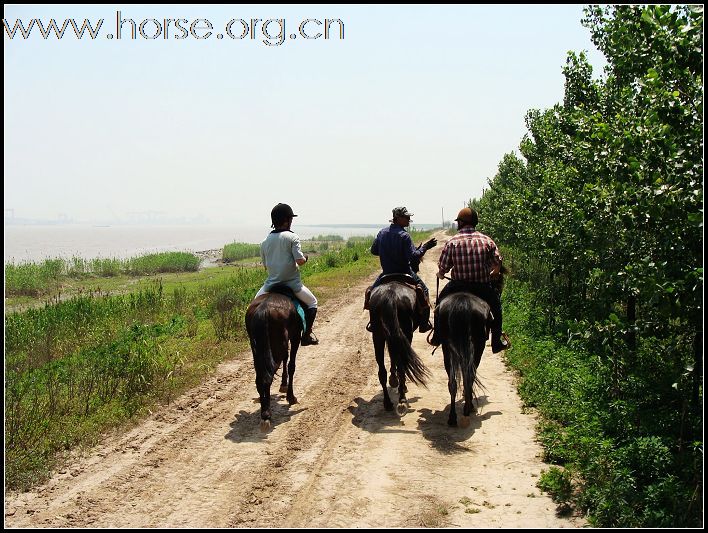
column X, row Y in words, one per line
column 421, row 300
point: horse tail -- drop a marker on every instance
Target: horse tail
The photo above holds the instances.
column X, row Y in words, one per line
column 461, row 340
column 260, row 344
column 399, row 346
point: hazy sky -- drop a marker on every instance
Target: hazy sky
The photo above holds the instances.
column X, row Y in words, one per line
column 415, row 106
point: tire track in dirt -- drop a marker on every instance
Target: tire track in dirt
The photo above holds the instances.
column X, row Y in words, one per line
column 336, row 459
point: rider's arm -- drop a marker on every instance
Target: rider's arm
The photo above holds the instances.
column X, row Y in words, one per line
column 445, row 261
column 263, row 260
column 298, row 256
column 411, row 252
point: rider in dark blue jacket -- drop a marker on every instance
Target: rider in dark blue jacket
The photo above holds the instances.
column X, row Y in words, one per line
column 396, row 252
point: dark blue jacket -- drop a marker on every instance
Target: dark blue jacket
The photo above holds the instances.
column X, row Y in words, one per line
column 395, row 249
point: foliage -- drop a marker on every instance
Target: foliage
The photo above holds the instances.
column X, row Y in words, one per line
column 603, row 217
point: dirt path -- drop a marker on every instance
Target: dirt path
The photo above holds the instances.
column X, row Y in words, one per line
column 336, row 459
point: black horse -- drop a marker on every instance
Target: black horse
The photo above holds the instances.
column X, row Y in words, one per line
column 393, row 315
column 274, row 329
column 464, row 322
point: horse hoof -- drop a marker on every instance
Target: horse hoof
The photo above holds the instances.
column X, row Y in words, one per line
column 292, row 401
column 265, row 425
column 283, row 388
column 393, row 381
column 464, row 421
column 401, row 409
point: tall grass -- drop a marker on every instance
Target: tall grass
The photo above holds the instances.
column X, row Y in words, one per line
column 162, row 262
column 31, row 279
column 36, row 279
column 240, row 250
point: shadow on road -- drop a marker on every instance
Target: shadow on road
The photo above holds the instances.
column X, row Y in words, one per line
column 246, row 426
column 447, row 439
column 372, row 417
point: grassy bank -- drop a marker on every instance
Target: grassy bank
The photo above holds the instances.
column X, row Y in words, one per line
column 75, row 368
column 621, row 453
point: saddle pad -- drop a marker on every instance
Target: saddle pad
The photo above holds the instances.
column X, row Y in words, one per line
column 300, row 312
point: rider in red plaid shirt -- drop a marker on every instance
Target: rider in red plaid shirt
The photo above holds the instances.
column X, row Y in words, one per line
column 474, row 259
column 472, row 254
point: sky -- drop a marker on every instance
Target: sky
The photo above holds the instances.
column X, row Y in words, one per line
column 413, row 106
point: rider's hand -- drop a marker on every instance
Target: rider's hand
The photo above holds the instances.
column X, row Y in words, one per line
column 429, row 244
column 440, row 275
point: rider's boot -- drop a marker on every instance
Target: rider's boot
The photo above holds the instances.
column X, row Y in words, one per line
column 308, row 337
column 425, row 324
column 500, row 341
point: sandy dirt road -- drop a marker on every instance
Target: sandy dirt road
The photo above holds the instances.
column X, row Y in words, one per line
column 335, row 459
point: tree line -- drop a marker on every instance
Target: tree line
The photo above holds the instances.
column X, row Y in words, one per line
column 601, row 218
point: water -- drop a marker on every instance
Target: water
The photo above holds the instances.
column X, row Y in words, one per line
column 36, row 242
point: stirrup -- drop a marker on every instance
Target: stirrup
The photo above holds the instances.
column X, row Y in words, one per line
column 369, row 327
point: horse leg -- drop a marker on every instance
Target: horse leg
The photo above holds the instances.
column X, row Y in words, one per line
column 291, row 371
column 403, row 404
column 379, row 345
column 284, row 379
column 264, row 396
column 393, row 378
column 451, row 386
column 469, row 408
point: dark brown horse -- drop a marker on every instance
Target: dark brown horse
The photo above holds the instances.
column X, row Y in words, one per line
column 274, row 330
column 392, row 311
column 464, row 321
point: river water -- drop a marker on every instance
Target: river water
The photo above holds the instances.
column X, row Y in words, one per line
column 37, row 242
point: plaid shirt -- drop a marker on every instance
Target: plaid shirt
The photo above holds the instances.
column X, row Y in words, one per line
column 471, row 255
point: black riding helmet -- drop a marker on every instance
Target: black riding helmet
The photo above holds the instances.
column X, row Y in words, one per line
column 281, row 213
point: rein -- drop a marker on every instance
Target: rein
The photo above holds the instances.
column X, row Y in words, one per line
column 437, row 286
